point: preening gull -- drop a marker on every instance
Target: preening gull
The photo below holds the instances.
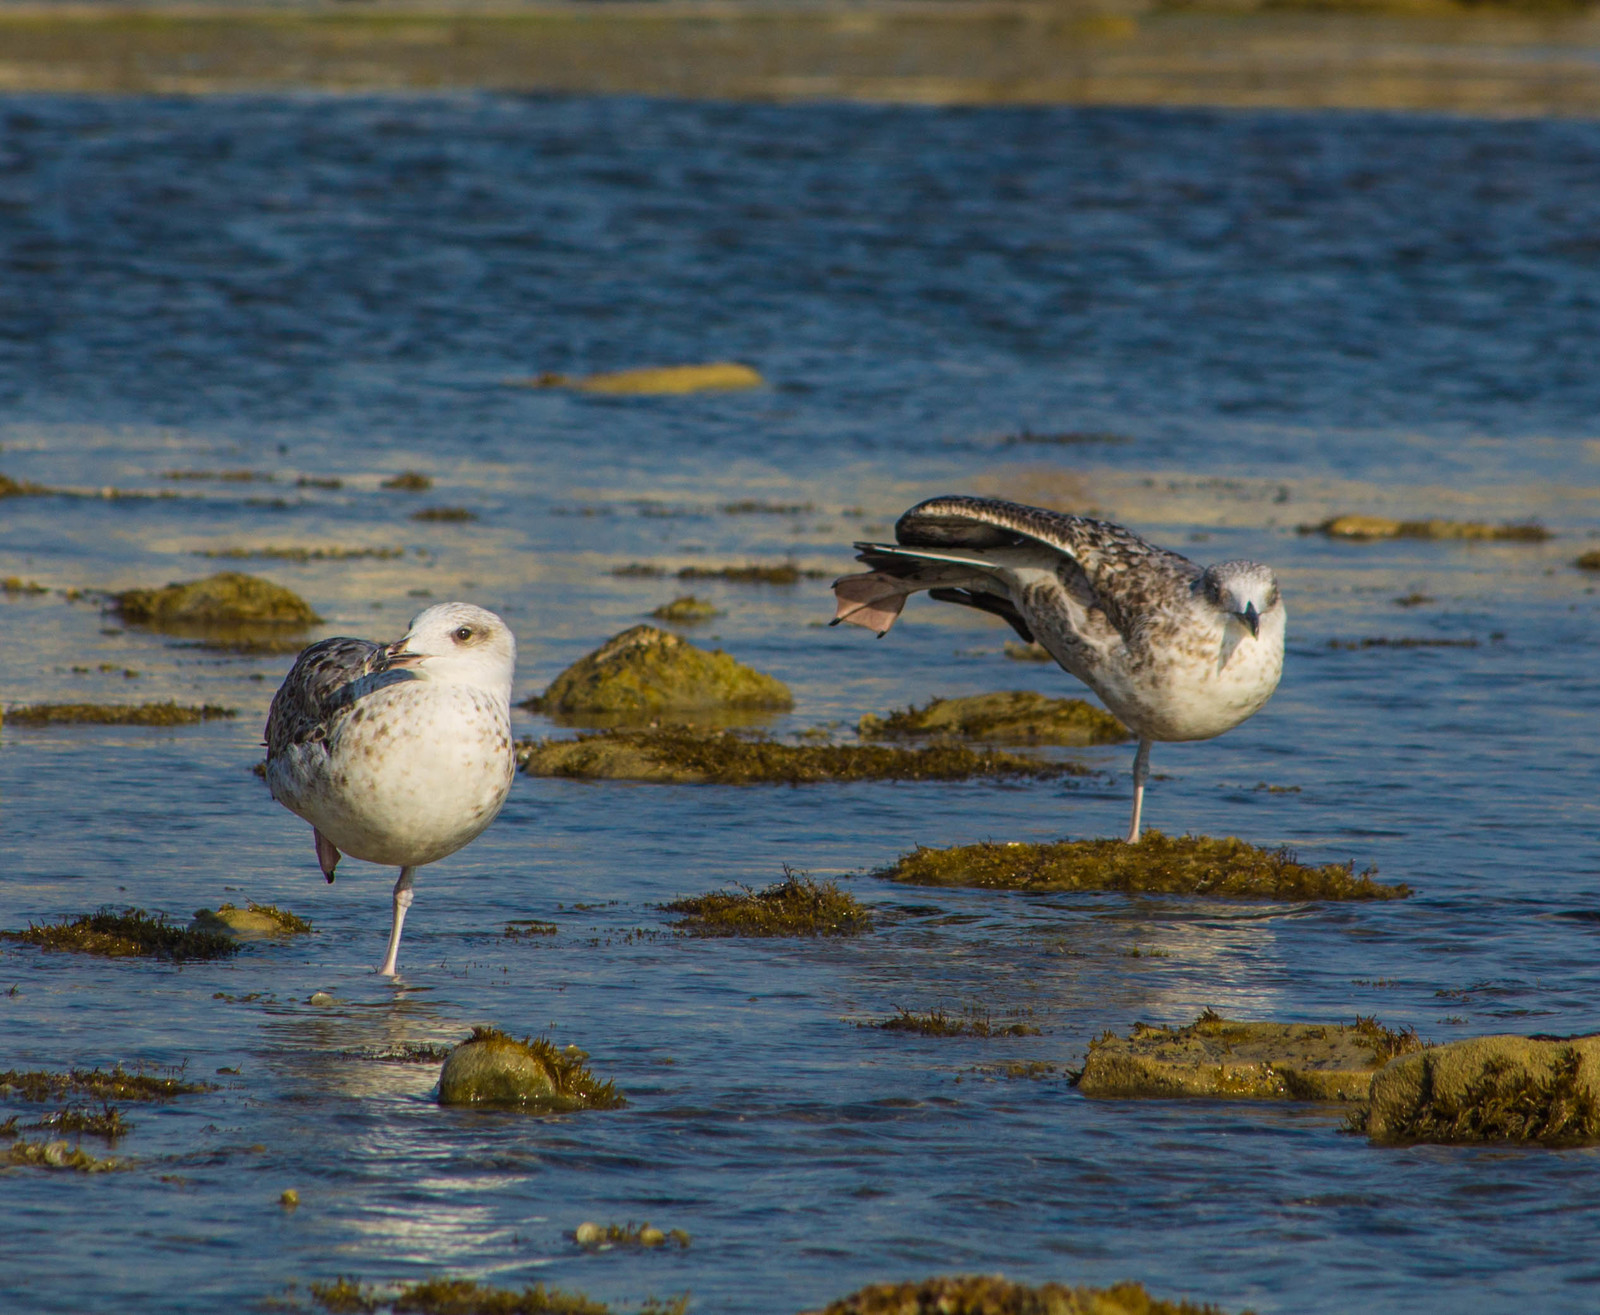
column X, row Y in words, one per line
column 398, row 753
column 1177, row 651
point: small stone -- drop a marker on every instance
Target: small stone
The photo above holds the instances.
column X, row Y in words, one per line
column 319, row 998
column 589, row 1234
column 290, row 1199
column 651, row 1237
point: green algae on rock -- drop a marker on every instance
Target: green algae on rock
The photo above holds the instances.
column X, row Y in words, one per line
column 1489, row 1089
column 1589, row 561
column 795, row 906
column 228, row 598
column 1006, row 717
column 682, row 755
column 644, row 672
column 1382, row 527
column 448, row 1296
column 1219, row 1058
column 97, row 1084
column 116, row 714
column 991, row 1294
column 1226, row 868
column 935, row 1022
column 133, row 932
column 684, row 611
column 595, row 1237
column 250, row 921
column 60, row 1155
column 491, row 1068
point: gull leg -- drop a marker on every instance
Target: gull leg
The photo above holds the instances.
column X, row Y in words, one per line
column 1141, row 771
column 328, row 855
column 402, row 901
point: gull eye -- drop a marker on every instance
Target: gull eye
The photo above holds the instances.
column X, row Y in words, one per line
column 462, row 634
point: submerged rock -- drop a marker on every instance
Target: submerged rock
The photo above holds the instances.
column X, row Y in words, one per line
column 1158, row 864
column 658, row 380
column 684, row 756
column 491, row 1068
column 1382, row 527
column 1222, row 1059
column 991, row 1294
column 687, row 610
column 644, row 672
column 593, row 1237
column 251, row 921
column 1489, row 1089
column 116, row 714
column 795, row 906
column 1589, row 561
column 1006, row 717
column 228, row 598
column 132, row 932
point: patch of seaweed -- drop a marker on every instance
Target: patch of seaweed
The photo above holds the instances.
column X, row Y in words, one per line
column 795, row 906
column 596, row 1237
column 133, row 932
column 225, row 476
column 225, row 599
column 1404, row 642
column 935, row 1022
column 991, row 1294
column 785, row 573
column 11, row 488
column 115, row 714
column 15, row 585
column 409, row 481
column 106, row 1122
column 1157, row 864
column 755, row 507
column 448, row 1296
column 447, row 515
column 687, row 610
column 1067, row 438
column 520, row 929
column 59, row 1155
column 492, row 1067
column 97, row 1084
column 410, row 1052
column 292, row 554
column 684, row 755
column 1589, row 561
column 1382, row 527
column 1009, row 716
column 1026, row 652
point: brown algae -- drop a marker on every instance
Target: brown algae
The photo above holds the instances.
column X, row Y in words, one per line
column 1367, row 528
column 991, row 1294
column 682, row 755
column 1219, row 1058
column 445, row 515
column 252, row 920
column 448, row 1296
column 295, row 554
column 409, row 481
column 936, row 1022
column 96, row 1084
column 795, row 906
column 116, row 714
column 1007, row 717
column 1589, row 561
column 225, row 599
column 60, row 1155
column 107, row 1123
column 133, row 932
column 491, row 1068
column 1226, row 868
column 1489, row 1089
column 597, row 1237
column 785, row 573
column 645, row 671
column 685, row 611
column 11, row 488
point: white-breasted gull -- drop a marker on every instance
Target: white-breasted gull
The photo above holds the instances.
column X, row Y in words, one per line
column 398, row 753
column 1175, row 650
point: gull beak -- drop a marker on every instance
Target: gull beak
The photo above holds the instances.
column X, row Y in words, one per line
column 1251, row 618
column 397, row 657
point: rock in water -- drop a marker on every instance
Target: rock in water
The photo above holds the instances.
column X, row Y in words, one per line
column 493, row 1069
column 644, row 672
column 228, row 598
column 247, row 923
column 1006, row 717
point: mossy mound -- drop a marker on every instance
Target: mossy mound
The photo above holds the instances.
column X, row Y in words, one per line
column 1490, row 1089
column 60, row 1155
column 493, row 1069
column 990, row 1294
column 1157, row 865
column 97, row 1084
column 228, row 598
column 935, row 1022
column 1381, row 527
column 1589, row 561
column 116, row 714
column 644, row 672
column 1222, row 1059
column 1007, row 717
column 249, row 922
column 795, row 906
column 684, row 756
column 664, row 380
column 685, row 611
column 133, row 932
column 450, row 1296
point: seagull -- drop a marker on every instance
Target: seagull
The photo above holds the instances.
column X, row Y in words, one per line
column 397, row 753
column 1176, row 651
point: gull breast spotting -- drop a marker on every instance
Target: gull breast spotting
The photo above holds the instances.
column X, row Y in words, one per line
column 398, row 753
column 1177, row 651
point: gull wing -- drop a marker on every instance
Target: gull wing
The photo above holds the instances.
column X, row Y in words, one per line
column 326, row 680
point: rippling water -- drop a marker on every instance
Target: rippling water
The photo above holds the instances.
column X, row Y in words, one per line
column 1276, row 317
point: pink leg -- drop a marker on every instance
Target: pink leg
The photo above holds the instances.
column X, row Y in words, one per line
column 1141, row 771
column 402, row 902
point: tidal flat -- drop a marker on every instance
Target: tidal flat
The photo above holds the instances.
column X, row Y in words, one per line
column 1289, row 316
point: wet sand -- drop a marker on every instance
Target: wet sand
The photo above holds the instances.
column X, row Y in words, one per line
column 922, row 53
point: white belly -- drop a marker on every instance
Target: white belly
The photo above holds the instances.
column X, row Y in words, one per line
column 414, row 773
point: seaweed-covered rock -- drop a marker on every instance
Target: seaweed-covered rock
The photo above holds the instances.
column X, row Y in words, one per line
column 12, row 488
column 685, row 611
column 491, row 1068
column 658, row 380
column 460, row 1296
column 1157, row 864
column 249, row 922
column 990, row 1294
column 133, row 932
column 116, row 714
column 228, row 598
column 795, row 906
column 644, row 672
column 1589, row 561
column 1005, row 717
column 61, row 1155
column 1382, row 527
column 1490, row 1089
column 684, row 756
column 1224, row 1059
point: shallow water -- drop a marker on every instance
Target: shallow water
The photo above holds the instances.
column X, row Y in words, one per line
column 1281, row 316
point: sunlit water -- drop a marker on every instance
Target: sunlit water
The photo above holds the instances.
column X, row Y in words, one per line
column 1281, row 316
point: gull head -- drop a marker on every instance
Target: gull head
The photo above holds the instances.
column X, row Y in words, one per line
column 458, row 644
column 1245, row 590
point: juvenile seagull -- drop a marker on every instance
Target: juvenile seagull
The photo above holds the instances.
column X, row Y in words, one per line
column 1176, row 651
column 397, row 753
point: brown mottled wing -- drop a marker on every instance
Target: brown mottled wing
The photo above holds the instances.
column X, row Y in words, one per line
column 1125, row 577
column 322, row 682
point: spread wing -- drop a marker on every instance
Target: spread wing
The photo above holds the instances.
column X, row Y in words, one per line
column 1104, row 566
column 325, row 681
